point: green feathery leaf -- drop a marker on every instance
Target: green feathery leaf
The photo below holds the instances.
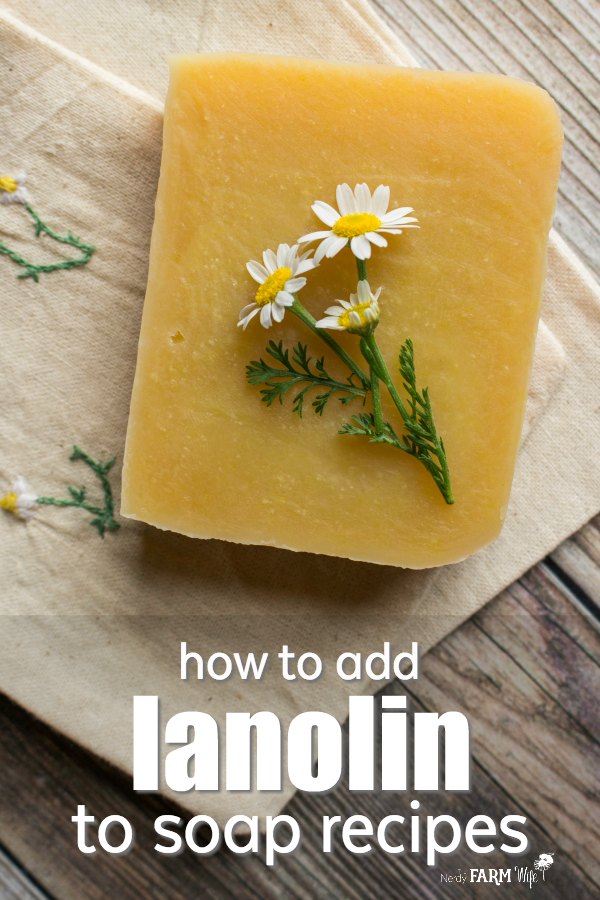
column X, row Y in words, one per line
column 299, row 371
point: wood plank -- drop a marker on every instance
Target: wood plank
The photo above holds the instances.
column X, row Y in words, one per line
column 15, row 884
column 579, row 558
column 523, row 38
column 537, row 747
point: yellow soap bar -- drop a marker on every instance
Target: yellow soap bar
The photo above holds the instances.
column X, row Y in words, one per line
column 249, row 144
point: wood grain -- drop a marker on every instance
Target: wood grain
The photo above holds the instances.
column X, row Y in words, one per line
column 553, row 44
column 15, row 884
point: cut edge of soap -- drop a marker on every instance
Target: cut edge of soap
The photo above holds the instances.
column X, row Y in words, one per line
column 263, row 543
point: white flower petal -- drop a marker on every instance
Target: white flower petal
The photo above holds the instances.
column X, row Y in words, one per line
column 246, row 310
column 244, row 322
column 278, row 312
column 283, row 255
column 397, row 213
column 376, row 239
column 380, row 201
column 313, row 236
column 270, row 261
column 320, row 251
column 363, row 291
column 325, row 212
column 284, row 298
column 336, row 310
column 324, row 247
column 330, row 322
column 265, row 315
column 294, row 284
column 363, row 198
column 345, row 199
column 361, row 247
column 305, row 266
column 335, row 245
column 257, row 271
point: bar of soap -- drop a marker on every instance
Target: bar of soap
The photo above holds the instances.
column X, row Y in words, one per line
column 249, row 144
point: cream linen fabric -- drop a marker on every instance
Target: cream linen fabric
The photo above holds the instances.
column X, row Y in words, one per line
column 88, row 623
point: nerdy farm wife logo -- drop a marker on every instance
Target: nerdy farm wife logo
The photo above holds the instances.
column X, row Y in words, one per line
column 517, row 874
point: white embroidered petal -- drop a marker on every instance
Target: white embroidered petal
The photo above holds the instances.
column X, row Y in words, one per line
column 13, row 190
column 325, row 212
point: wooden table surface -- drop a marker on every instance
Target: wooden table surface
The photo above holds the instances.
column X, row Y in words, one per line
column 525, row 669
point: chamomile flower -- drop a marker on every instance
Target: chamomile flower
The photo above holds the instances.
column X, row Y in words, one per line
column 356, row 315
column 279, row 279
column 361, row 221
column 13, row 190
column 19, row 501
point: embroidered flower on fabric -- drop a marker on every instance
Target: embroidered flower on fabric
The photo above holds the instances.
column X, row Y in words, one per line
column 360, row 222
column 20, row 500
column 13, row 190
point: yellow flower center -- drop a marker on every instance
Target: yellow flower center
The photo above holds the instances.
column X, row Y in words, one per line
column 9, row 186
column 348, row 318
column 356, row 223
column 9, row 502
column 269, row 289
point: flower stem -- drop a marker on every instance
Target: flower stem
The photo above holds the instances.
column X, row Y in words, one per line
column 303, row 314
column 384, row 373
column 376, row 395
column 361, row 266
column 104, row 515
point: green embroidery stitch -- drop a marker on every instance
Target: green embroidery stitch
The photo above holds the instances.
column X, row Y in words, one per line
column 34, row 270
column 13, row 190
column 104, row 516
